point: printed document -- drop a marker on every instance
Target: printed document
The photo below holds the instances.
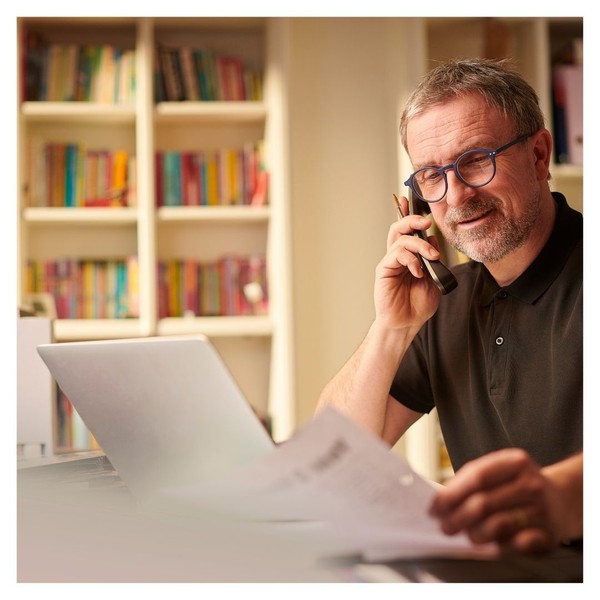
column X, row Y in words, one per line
column 332, row 472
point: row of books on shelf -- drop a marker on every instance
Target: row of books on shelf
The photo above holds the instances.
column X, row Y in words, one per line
column 109, row 289
column 230, row 286
column 71, row 431
column 73, row 175
column 87, row 289
column 224, row 176
column 187, row 73
column 77, row 72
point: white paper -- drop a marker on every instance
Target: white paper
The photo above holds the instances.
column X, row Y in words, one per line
column 336, row 473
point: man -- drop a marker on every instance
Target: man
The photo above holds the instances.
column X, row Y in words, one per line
column 500, row 357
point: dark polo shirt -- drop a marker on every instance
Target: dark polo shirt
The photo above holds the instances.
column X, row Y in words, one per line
column 504, row 365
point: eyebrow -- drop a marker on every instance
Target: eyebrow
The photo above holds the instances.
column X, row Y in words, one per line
column 460, row 153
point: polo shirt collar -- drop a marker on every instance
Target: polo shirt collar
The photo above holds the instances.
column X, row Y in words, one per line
column 537, row 278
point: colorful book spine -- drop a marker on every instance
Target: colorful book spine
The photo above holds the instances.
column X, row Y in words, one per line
column 78, row 72
column 200, row 74
column 232, row 285
column 73, row 175
column 87, row 289
column 211, row 177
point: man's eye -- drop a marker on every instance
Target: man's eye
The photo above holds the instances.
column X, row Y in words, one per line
column 429, row 177
column 474, row 160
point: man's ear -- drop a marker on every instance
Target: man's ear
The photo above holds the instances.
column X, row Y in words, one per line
column 542, row 153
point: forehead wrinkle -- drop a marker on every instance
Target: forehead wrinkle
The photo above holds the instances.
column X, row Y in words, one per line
column 443, row 132
column 440, row 149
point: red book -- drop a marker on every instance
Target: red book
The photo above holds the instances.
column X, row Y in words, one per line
column 194, row 192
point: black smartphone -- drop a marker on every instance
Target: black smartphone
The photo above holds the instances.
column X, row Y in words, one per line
column 438, row 271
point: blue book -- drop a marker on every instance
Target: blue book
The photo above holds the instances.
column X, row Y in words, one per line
column 172, row 178
column 71, row 153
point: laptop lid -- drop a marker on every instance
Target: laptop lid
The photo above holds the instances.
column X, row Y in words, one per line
column 165, row 410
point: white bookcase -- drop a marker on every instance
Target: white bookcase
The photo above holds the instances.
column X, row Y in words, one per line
column 530, row 43
column 258, row 349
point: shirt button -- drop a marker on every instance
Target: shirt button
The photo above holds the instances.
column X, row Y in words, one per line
column 502, row 295
column 499, row 340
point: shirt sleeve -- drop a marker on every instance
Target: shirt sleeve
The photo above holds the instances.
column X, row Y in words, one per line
column 411, row 385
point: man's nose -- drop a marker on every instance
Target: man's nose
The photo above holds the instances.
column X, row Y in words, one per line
column 458, row 192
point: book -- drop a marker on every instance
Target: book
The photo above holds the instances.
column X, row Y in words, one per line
column 170, row 65
column 33, row 66
column 36, row 192
column 567, row 83
column 107, row 70
column 119, row 177
column 191, row 178
column 70, row 173
column 171, row 178
column 190, row 287
column 212, row 178
column 132, row 181
column 205, row 88
column 133, row 286
column 190, row 79
column 159, row 178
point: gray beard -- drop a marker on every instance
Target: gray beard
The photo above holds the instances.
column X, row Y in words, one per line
column 493, row 241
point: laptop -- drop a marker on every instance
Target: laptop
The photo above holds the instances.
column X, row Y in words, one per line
column 166, row 411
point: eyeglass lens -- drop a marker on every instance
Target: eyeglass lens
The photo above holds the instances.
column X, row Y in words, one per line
column 474, row 168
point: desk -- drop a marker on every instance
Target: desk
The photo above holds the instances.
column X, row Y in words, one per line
column 77, row 522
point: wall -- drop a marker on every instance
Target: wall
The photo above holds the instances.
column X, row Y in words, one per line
column 346, row 82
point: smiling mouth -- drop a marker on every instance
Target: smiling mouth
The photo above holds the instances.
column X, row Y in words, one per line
column 474, row 219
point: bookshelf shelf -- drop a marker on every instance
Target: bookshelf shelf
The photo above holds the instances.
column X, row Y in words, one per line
column 81, row 216
column 77, row 112
column 211, row 112
column 218, row 326
column 233, row 214
column 146, row 236
column 74, row 330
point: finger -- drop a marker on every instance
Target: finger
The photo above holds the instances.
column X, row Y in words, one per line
column 403, row 252
column 501, row 526
column 407, row 226
column 415, row 245
column 500, row 512
column 480, row 474
column 530, row 540
column 397, row 261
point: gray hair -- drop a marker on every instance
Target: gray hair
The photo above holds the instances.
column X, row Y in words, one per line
column 496, row 81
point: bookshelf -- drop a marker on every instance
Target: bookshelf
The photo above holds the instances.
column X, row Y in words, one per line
column 257, row 345
column 534, row 45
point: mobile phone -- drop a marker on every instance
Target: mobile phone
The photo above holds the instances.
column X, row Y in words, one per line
column 438, row 271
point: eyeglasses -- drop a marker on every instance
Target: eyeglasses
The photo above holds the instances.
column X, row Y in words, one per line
column 474, row 168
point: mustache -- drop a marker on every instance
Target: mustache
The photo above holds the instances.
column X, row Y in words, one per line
column 475, row 208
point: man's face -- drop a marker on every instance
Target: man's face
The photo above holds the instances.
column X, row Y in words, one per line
column 490, row 222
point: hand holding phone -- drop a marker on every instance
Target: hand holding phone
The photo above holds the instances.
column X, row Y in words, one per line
column 438, row 271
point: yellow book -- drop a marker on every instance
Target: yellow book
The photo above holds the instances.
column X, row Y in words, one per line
column 133, row 286
column 119, row 177
column 173, row 287
column 88, row 278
